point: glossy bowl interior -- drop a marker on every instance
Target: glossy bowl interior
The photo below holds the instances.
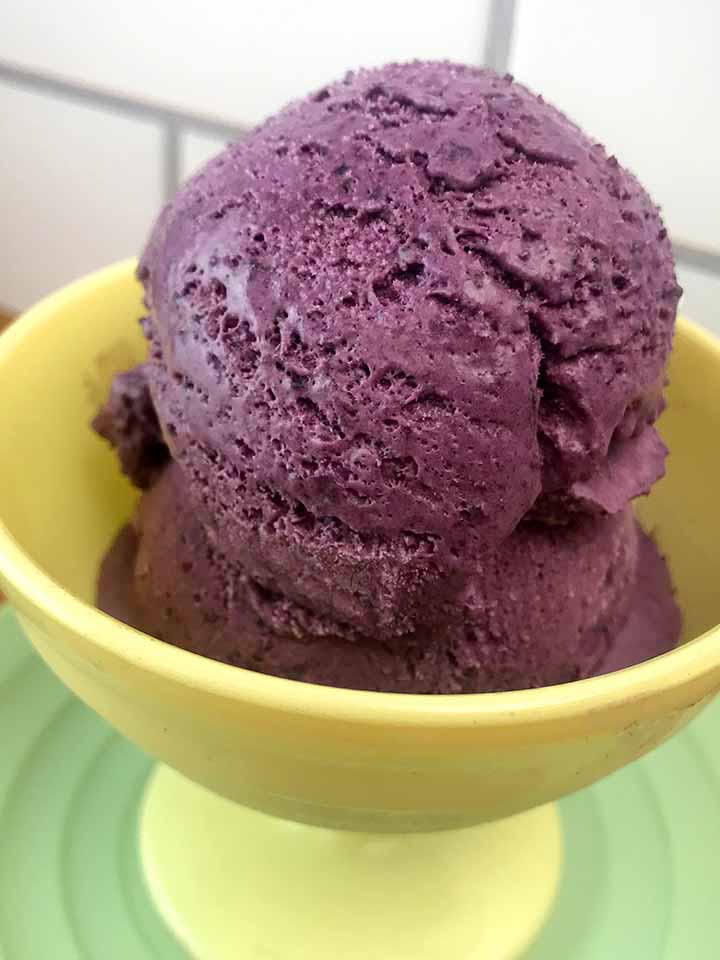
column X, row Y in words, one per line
column 320, row 755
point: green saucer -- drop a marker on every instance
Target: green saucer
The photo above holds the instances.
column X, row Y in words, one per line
column 640, row 878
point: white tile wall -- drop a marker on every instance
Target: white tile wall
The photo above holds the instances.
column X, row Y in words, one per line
column 78, row 189
column 701, row 297
column 643, row 77
column 195, row 150
column 80, row 186
column 232, row 58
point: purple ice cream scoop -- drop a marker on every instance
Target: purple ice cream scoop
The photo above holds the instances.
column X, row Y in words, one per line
column 393, row 319
column 407, row 316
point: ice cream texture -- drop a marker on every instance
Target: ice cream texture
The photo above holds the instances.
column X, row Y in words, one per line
column 407, row 343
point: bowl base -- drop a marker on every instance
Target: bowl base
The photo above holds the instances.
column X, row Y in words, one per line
column 232, row 882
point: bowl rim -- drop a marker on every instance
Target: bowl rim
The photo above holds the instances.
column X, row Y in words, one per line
column 677, row 668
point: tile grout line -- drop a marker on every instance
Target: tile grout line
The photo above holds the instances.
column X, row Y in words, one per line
column 94, row 97
column 171, row 160
column 498, row 40
column 700, row 258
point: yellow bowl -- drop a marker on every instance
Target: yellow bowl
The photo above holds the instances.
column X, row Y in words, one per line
column 380, row 763
column 340, row 758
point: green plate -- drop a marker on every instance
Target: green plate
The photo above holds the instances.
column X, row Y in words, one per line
column 641, row 875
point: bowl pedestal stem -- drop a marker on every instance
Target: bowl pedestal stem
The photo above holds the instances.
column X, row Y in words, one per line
column 235, row 884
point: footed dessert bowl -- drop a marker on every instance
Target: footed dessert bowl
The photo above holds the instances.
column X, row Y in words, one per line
column 290, row 819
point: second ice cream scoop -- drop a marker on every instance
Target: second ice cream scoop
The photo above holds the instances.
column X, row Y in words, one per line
column 549, row 605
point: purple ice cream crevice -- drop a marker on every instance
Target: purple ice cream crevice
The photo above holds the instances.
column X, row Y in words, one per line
column 129, row 422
